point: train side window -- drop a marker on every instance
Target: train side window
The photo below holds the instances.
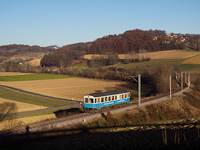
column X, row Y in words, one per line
column 99, row 100
column 122, row 96
column 95, row 101
column 109, row 98
column 106, row 99
column 86, row 100
column 113, row 98
column 125, row 95
column 102, row 99
column 91, row 100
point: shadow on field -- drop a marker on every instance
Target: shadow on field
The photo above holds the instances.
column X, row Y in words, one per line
column 67, row 112
column 107, row 138
column 7, row 111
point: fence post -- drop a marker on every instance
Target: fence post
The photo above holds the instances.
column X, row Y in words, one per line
column 170, row 86
column 139, row 90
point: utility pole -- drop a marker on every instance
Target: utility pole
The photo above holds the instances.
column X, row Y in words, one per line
column 189, row 79
column 182, row 82
column 185, row 77
column 170, row 86
column 139, row 90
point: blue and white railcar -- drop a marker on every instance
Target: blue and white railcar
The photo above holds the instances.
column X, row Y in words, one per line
column 98, row 100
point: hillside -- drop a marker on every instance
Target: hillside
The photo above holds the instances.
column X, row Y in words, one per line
column 130, row 42
column 21, row 53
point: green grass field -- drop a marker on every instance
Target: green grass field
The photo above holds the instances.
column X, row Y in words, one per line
column 152, row 63
column 36, row 76
column 26, row 98
column 190, row 67
column 149, row 64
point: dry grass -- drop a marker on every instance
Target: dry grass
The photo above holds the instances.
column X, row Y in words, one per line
column 34, row 62
column 27, row 56
column 169, row 54
column 90, row 56
column 12, row 73
column 172, row 54
column 193, row 60
column 24, row 121
column 21, row 107
column 68, row 88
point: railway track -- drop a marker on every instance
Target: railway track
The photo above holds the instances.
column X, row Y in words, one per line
column 77, row 118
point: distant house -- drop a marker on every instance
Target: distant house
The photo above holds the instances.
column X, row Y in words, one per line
column 172, row 35
column 55, row 47
column 155, row 38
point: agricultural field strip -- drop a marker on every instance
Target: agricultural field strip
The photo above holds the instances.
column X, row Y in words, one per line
column 32, row 77
column 64, row 88
column 27, row 92
column 63, row 122
column 168, row 54
column 192, row 60
column 12, row 73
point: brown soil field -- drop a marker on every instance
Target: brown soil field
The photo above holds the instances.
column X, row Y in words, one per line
column 69, row 88
column 12, row 73
column 169, row 54
column 19, row 106
column 193, row 60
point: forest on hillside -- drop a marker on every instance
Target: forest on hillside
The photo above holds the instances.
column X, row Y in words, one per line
column 133, row 41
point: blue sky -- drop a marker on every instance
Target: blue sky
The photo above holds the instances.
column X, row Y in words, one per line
column 62, row 22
